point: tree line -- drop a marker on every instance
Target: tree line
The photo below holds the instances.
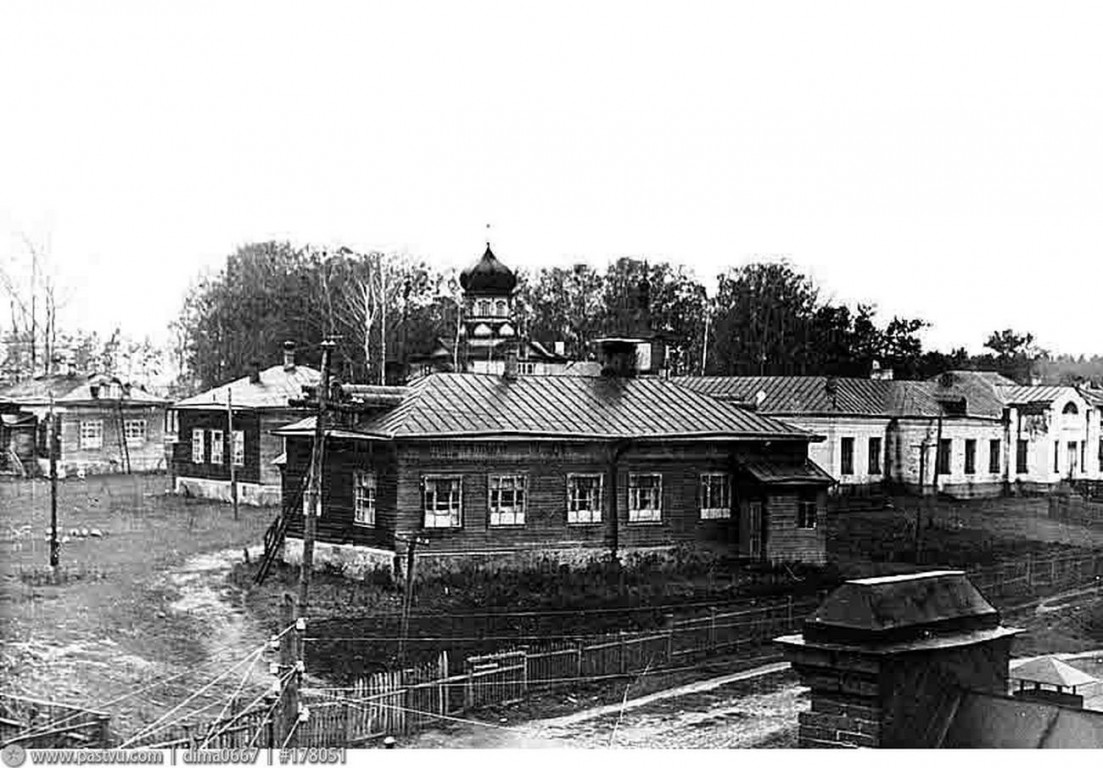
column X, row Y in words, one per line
column 763, row 319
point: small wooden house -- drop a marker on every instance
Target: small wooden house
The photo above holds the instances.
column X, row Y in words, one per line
column 571, row 467
column 206, row 447
column 106, row 425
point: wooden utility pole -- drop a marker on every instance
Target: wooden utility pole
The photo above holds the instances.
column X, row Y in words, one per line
column 291, row 653
column 55, row 545
column 313, row 510
column 408, row 598
column 233, row 448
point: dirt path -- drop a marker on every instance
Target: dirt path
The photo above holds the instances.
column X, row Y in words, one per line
column 753, row 708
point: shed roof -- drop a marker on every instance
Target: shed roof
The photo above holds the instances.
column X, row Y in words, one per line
column 277, row 385
column 776, row 471
column 464, row 405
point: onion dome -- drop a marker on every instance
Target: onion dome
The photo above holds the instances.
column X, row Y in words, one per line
column 488, row 275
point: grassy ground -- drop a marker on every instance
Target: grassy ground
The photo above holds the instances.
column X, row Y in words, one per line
column 107, row 620
column 474, row 613
column 952, row 533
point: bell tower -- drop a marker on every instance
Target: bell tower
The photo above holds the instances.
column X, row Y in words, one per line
column 488, row 325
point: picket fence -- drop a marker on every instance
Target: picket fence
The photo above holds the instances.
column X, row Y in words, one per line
column 402, row 702
column 37, row 724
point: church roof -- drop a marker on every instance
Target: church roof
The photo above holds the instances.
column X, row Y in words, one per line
column 488, row 275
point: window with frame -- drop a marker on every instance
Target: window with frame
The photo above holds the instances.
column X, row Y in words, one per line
column 172, row 422
column 526, row 369
column 1022, row 450
column 645, row 498
column 970, row 457
column 134, row 431
column 216, row 446
column 197, row 453
column 363, row 497
column 501, row 308
column 944, row 456
column 846, row 456
column 585, row 498
column 807, row 508
column 875, row 456
column 238, row 455
column 994, row 447
column 442, row 499
column 91, row 434
column 507, row 499
column 716, row 500
column 483, row 308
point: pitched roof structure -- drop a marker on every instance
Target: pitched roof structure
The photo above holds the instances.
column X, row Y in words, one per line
column 1025, row 395
column 820, row 395
column 466, row 405
column 981, row 394
column 1050, row 671
column 277, row 385
column 73, row 389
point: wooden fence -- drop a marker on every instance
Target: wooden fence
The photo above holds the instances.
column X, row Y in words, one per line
column 1082, row 510
column 396, row 703
column 37, row 724
column 1025, row 577
column 254, row 726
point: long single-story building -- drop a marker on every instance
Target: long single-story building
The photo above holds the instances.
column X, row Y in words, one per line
column 963, row 433
column 206, row 446
column 509, row 467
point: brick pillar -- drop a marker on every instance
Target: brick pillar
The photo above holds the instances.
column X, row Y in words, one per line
column 887, row 659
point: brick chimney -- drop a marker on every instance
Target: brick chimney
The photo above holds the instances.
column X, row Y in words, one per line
column 886, row 657
column 509, row 371
column 289, row 355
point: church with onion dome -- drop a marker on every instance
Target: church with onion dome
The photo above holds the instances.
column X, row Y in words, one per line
column 489, row 336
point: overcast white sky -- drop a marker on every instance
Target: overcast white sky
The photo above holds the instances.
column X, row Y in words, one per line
column 940, row 159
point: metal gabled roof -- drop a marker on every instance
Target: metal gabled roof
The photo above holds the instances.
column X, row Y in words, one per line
column 459, row 405
column 820, row 395
column 72, row 389
column 277, row 385
column 1026, row 395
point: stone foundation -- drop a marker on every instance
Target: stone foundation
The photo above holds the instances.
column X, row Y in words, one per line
column 352, row 562
column 251, row 494
column 359, row 562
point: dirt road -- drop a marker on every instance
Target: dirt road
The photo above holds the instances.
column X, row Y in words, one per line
column 755, row 708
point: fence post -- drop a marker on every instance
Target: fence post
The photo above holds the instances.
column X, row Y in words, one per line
column 578, row 659
column 788, row 613
column 442, row 674
column 712, row 629
column 623, row 652
column 670, row 638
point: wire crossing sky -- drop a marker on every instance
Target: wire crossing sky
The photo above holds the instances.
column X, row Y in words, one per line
column 940, row 159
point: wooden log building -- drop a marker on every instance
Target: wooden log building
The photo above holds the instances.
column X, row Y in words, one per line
column 205, row 446
column 572, row 467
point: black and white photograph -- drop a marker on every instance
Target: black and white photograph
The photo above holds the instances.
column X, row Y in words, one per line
column 499, row 376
